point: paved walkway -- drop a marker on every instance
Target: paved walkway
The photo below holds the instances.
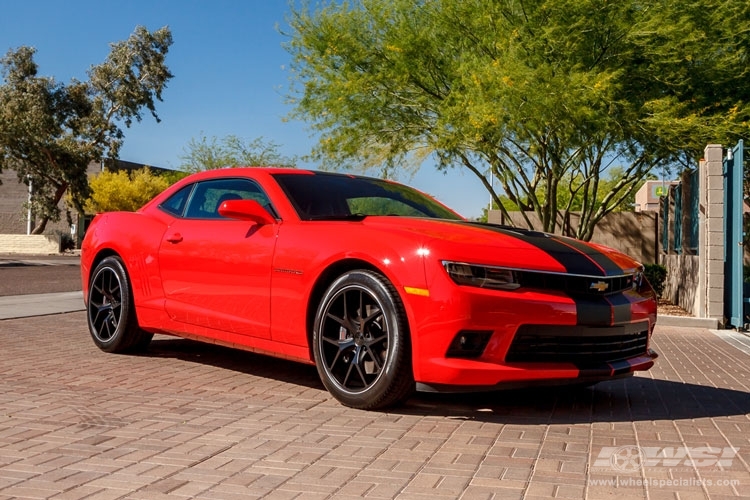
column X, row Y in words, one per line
column 189, row 420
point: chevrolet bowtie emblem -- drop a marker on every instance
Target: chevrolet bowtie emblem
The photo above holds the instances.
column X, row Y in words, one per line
column 599, row 286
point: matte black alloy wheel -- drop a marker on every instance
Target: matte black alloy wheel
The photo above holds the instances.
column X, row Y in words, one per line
column 111, row 312
column 355, row 337
column 105, row 304
column 361, row 342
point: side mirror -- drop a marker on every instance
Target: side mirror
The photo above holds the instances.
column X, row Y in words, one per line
column 249, row 210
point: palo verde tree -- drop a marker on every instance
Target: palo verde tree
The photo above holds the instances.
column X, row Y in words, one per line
column 606, row 184
column 50, row 132
column 546, row 96
column 123, row 190
column 211, row 153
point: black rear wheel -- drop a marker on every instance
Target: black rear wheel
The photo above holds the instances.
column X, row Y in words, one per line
column 111, row 314
column 361, row 342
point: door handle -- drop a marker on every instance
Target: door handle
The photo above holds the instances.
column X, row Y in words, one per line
column 175, row 238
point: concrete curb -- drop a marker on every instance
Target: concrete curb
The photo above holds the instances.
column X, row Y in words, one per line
column 687, row 321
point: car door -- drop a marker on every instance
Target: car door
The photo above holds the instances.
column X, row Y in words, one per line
column 216, row 272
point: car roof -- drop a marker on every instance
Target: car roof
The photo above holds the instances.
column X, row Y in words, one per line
column 240, row 171
column 270, row 171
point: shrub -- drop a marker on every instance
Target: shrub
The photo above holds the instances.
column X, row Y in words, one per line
column 656, row 274
column 65, row 240
column 123, row 190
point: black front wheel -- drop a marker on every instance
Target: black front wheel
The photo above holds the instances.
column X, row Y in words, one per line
column 111, row 314
column 361, row 342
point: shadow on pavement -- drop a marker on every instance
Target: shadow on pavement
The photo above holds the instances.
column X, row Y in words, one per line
column 636, row 398
column 627, row 400
column 236, row 360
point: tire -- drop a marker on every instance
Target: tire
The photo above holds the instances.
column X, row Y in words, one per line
column 111, row 313
column 364, row 360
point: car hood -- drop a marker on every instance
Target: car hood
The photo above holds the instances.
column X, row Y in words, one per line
column 494, row 244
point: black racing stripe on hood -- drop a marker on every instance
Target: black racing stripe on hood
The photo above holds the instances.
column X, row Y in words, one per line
column 607, row 264
column 571, row 258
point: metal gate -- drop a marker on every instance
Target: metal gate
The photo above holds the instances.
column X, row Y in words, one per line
column 734, row 299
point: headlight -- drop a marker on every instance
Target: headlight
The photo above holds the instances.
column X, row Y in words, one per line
column 495, row 278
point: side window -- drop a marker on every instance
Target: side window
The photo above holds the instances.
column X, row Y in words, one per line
column 209, row 195
column 175, row 204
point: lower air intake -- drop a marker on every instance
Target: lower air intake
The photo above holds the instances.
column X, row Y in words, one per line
column 578, row 344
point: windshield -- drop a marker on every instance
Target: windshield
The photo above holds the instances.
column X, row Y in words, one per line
column 337, row 196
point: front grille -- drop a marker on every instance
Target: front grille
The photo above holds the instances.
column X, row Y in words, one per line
column 582, row 345
column 576, row 285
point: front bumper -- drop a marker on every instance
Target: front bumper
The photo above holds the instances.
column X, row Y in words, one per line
column 477, row 376
column 561, row 324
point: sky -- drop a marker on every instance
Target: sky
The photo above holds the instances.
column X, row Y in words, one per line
column 230, row 76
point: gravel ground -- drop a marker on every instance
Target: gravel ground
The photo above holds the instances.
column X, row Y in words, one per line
column 666, row 307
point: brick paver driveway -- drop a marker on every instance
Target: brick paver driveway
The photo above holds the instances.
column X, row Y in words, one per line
column 189, row 420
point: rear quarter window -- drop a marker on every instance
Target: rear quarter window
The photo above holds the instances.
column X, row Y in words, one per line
column 175, row 204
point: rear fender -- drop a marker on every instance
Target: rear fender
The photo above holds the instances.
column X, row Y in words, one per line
column 135, row 238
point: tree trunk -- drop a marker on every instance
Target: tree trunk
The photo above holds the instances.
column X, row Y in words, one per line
column 39, row 228
column 42, row 225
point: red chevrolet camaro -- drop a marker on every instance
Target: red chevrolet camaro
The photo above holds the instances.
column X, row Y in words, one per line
column 384, row 289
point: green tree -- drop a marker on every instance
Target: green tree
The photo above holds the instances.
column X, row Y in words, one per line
column 572, row 200
column 50, row 132
column 211, row 153
column 546, row 96
column 574, row 203
column 122, row 190
column 173, row 176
